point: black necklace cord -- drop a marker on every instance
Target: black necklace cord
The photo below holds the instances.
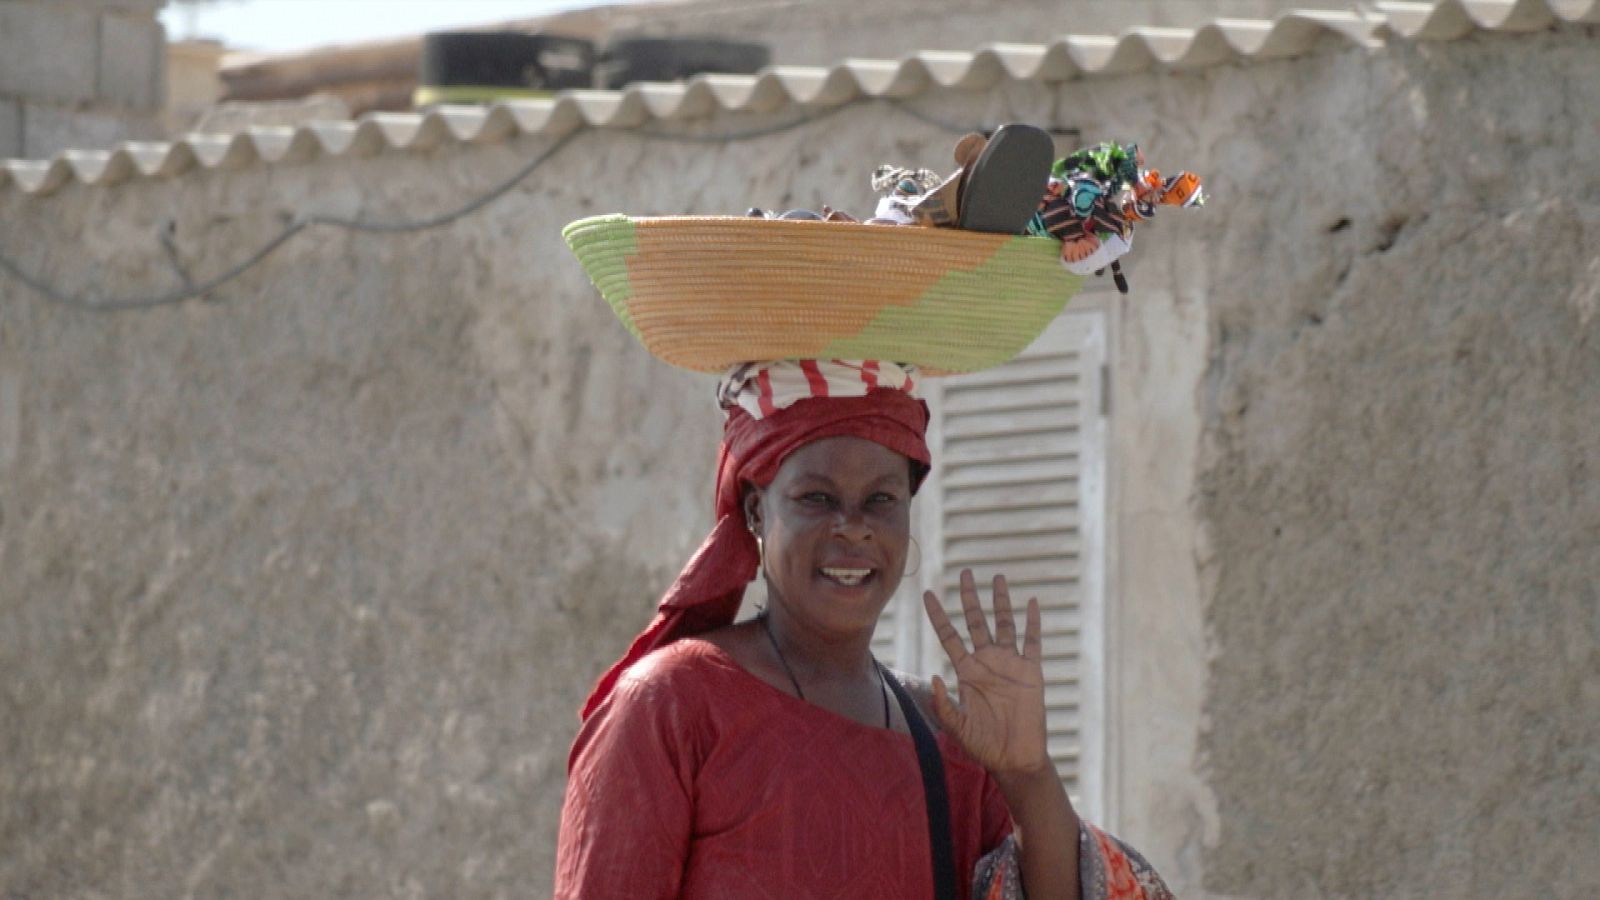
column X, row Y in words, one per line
column 883, row 685
column 935, row 794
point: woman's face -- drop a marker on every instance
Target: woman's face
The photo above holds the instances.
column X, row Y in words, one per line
column 835, row 523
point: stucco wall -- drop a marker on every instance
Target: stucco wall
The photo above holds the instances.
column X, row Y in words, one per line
column 1399, row 486
column 303, row 583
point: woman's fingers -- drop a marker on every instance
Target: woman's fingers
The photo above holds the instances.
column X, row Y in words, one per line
column 944, row 708
column 1005, row 621
column 949, row 638
column 1005, row 627
column 1032, row 640
column 977, row 627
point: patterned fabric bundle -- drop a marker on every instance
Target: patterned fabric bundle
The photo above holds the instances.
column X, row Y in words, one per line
column 1108, row 869
column 1095, row 196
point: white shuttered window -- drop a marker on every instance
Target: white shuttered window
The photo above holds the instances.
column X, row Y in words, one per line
column 1018, row 488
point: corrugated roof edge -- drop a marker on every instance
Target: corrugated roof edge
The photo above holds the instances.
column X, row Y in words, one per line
column 1073, row 56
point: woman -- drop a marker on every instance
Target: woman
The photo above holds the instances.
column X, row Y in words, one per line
column 766, row 758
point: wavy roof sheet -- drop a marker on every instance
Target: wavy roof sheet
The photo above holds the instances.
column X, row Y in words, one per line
column 1070, row 57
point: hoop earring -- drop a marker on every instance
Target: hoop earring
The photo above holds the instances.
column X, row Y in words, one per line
column 761, row 555
column 914, row 569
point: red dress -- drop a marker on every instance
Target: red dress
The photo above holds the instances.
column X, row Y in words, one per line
column 695, row 779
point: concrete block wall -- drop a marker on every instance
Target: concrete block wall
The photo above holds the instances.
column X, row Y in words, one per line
column 78, row 74
column 10, row 127
column 193, row 85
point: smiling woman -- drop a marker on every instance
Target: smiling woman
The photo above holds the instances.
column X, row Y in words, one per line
column 764, row 758
column 835, row 524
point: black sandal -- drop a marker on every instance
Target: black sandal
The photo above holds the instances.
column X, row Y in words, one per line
column 1002, row 189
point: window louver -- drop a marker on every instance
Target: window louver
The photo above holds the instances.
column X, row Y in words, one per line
column 1016, row 450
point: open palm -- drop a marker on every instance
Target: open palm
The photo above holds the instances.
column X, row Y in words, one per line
column 999, row 719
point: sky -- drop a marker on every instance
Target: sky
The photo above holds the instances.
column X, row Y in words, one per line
column 278, row 25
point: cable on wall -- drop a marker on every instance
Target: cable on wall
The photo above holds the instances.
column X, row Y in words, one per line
column 193, row 289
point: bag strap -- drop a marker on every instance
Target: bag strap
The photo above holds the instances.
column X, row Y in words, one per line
column 933, row 788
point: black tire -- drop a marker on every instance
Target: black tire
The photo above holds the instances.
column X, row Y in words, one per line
column 671, row 59
column 505, row 59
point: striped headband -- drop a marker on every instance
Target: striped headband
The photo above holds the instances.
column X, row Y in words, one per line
column 763, row 388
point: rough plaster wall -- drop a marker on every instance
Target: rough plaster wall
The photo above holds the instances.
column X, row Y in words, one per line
column 303, row 584
column 1400, row 492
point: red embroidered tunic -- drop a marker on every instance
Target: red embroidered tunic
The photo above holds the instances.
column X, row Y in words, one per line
column 698, row 780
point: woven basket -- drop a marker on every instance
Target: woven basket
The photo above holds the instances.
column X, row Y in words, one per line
column 708, row 292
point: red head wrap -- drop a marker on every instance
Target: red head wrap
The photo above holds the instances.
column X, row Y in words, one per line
column 708, row 590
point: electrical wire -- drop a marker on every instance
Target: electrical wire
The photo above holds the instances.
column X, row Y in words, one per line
column 192, row 289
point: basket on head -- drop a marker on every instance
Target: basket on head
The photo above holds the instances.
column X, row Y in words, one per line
column 708, row 292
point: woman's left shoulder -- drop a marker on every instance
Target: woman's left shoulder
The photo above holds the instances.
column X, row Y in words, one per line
column 920, row 690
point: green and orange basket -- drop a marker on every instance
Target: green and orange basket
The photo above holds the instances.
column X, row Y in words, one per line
column 708, row 292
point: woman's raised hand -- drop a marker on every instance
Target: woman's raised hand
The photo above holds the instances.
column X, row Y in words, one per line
column 999, row 719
